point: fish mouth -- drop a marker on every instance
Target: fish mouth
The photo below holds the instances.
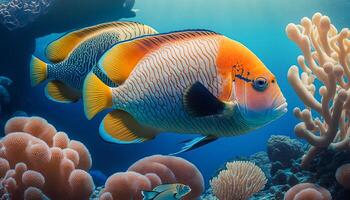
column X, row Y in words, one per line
column 282, row 108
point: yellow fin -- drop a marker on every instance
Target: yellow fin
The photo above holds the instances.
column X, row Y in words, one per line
column 38, row 71
column 120, row 127
column 120, row 60
column 59, row 92
column 59, row 50
column 96, row 95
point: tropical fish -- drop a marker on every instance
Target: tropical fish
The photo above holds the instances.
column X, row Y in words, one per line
column 75, row 54
column 183, row 82
column 167, row 192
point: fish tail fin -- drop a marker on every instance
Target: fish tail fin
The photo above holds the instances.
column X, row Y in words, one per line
column 149, row 195
column 97, row 96
column 38, row 71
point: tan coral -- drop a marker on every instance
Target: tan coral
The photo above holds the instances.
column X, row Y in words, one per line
column 342, row 175
column 37, row 161
column 239, row 181
column 307, row 191
column 325, row 58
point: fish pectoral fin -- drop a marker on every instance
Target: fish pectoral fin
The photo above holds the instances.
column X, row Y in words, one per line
column 200, row 102
column 149, row 195
column 178, row 196
column 196, row 143
column 59, row 92
column 120, row 127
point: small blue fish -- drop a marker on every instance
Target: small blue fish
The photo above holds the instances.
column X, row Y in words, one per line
column 167, row 192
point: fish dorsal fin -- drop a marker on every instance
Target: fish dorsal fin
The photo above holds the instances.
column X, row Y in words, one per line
column 59, row 50
column 120, row 60
column 149, row 195
column 120, row 127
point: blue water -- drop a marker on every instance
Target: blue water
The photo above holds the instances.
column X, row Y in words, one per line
column 257, row 24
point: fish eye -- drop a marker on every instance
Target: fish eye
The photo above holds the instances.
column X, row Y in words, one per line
column 260, row 84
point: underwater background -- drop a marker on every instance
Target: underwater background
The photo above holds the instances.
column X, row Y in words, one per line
column 259, row 25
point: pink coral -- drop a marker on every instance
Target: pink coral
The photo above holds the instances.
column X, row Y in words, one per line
column 307, row 191
column 150, row 172
column 38, row 161
column 126, row 185
column 171, row 169
column 343, row 175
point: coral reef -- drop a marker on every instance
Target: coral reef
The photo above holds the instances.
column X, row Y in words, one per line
column 283, row 149
column 4, row 94
column 307, row 191
column 18, row 13
column 150, row 172
column 239, row 181
column 37, row 161
column 125, row 185
column 171, row 169
column 282, row 176
column 325, row 58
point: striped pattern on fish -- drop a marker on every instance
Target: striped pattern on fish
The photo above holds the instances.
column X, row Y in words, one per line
column 75, row 54
column 174, row 68
column 192, row 81
column 74, row 70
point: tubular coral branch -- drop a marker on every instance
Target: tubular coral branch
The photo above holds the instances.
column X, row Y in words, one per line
column 326, row 58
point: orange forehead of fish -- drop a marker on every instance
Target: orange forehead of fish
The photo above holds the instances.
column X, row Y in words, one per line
column 236, row 63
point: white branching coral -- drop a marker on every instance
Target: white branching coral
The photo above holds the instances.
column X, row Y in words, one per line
column 325, row 120
column 239, row 181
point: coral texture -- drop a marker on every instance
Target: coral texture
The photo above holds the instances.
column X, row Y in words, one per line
column 307, row 191
column 35, row 160
column 326, row 58
column 239, row 181
column 125, row 186
column 283, row 149
column 18, row 13
column 282, row 177
column 150, row 172
column 343, row 175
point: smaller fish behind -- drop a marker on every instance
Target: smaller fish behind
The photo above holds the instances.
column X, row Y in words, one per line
column 167, row 192
column 75, row 54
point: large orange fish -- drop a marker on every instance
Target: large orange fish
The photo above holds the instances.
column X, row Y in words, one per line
column 185, row 82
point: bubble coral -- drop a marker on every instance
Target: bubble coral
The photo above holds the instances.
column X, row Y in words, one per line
column 37, row 161
column 125, row 186
column 171, row 169
column 326, row 58
column 307, row 191
column 239, row 181
column 343, row 175
column 150, row 172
